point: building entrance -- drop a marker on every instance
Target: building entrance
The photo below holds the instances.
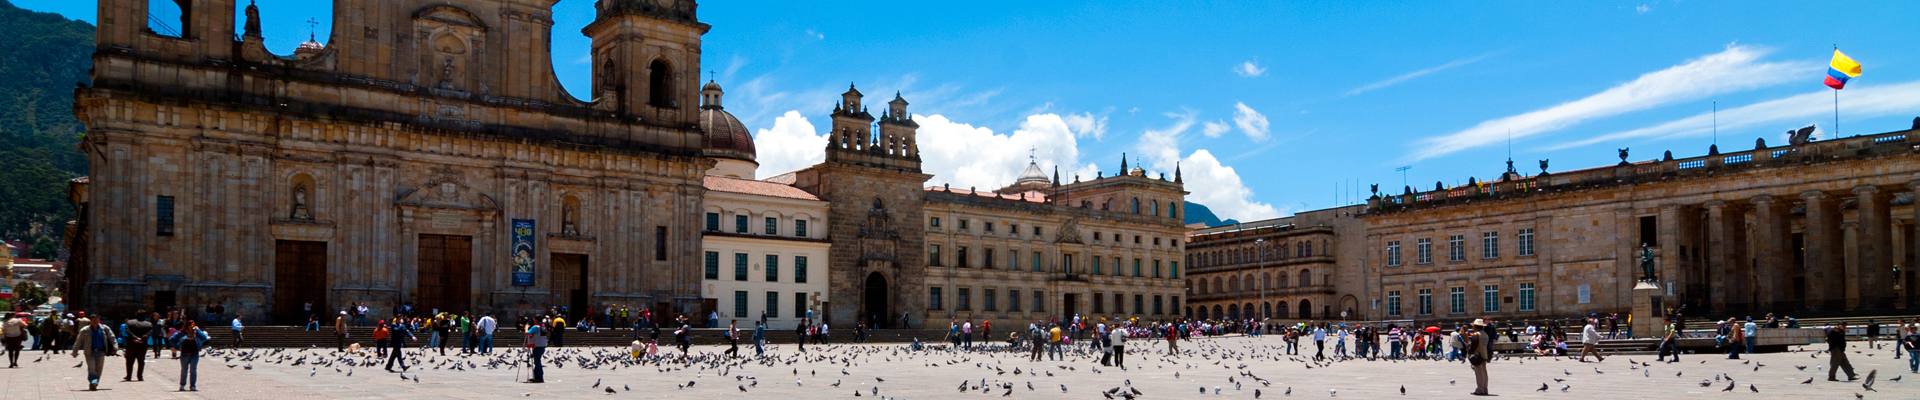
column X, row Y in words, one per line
column 299, row 276
column 445, row 274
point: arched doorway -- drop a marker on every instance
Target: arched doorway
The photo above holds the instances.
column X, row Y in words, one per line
column 1306, row 309
column 875, row 303
column 1350, row 306
column 1233, row 311
column 1280, row 307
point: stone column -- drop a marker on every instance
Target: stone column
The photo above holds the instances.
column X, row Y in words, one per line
column 1876, row 248
column 1913, row 246
column 1772, row 244
column 1825, row 271
column 1726, row 255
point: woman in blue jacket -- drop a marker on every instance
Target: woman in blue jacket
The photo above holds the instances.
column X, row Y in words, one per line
column 190, row 340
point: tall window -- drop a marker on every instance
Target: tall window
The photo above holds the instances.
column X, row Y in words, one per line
column 933, row 255
column 1393, row 303
column 1456, row 248
column 739, row 224
column 1457, row 300
column 773, row 305
column 960, row 258
column 1175, row 270
column 1096, row 266
column 739, row 304
column 1036, row 261
column 1039, row 301
column 799, row 304
column 1139, row 304
column 660, row 243
column 1426, row 302
column 713, row 221
column 773, row 226
column 1526, row 297
column 986, row 258
column 1099, row 303
column 800, row 227
column 1393, row 253
column 1136, row 268
column 1013, row 300
column 990, row 299
column 163, row 215
column 1526, row 242
column 773, row 268
column 713, row 265
column 1156, row 268
column 1119, row 303
column 1423, row 251
column 1490, row 245
column 740, row 267
column 1156, row 302
column 964, row 301
column 933, row 298
column 799, row 269
column 1491, row 296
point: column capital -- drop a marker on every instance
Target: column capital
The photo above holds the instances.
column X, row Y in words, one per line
column 1765, row 199
column 1913, row 185
column 1813, row 195
column 1711, row 204
column 1864, row 190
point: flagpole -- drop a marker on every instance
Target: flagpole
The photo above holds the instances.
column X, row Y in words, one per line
column 1836, row 103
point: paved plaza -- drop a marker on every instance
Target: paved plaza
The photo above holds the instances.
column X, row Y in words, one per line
column 902, row 374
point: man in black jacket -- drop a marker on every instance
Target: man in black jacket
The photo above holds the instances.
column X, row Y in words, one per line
column 398, row 335
column 138, row 331
column 1837, row 352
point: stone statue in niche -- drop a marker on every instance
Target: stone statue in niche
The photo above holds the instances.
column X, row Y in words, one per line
column 446, row 74
column 569, row 218
column 300, row 209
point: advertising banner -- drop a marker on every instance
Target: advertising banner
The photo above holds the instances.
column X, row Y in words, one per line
column 523, row 252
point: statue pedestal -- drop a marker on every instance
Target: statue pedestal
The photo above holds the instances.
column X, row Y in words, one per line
column 1648, row 313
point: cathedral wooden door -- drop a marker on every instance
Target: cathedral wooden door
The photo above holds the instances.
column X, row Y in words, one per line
column 445, row 273
column 299, row 276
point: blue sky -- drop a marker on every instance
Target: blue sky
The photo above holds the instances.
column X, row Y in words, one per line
column 1269, row 106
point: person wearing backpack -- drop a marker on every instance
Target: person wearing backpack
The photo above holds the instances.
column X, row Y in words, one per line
column 537, row 339
column 733, row 338
column 1479, row 351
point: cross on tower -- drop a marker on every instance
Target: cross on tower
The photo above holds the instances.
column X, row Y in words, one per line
column 710, row 75
column 1031, row 152
column 312, row 25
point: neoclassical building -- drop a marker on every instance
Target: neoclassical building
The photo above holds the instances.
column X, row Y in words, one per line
column 1282, row 268
column 1806, row 228
column 764, row 246
column 424, row 154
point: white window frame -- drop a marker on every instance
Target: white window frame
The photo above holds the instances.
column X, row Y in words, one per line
column 1490, row 245
column 1423, row 251
column 1526, row 297
column 1526, row 243
column 1393, row 253
column 1490, row 294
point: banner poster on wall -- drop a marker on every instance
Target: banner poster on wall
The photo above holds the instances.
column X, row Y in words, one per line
column 523, row 252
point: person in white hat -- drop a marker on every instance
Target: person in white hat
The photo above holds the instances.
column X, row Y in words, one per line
column 340, row 331
column 1478, row 351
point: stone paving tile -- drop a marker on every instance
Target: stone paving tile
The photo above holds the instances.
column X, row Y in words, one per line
column 935, row 374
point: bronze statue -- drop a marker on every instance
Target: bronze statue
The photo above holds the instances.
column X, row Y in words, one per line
column 1646, row 263
column 253, row 20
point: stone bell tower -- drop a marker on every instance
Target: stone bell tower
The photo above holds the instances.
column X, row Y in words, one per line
column 646, row 60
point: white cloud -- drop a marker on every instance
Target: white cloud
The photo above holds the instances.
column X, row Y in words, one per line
column 1213, row 129
column 1250, row 122
column 967, row 156
column 1250, row 69
column 792, row 144
column 1782, row 114
column 1086, row 124
column 1415, row 74
column 1735, row 69
column 1209, row 182
column 1643, row 9
column 816, row 35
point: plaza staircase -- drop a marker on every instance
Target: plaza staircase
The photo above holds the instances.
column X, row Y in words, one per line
column 299, row 337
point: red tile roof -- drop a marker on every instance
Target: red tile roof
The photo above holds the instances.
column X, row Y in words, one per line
column 753, row 187
column 1031, row 195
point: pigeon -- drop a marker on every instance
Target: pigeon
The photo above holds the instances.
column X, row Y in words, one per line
column 1809, row 381
column 1063, row 388
column 1729, row 386
column 743, row 389
column 1754, row 389
column 1869, row 383
column 1403, row 390
column 610, row 390
column 1563, row 388
column 1289, row 391
column 596, row 384
column 1333, row 392
column 1449, row 381
column 1543, row 388
column 1800, row 367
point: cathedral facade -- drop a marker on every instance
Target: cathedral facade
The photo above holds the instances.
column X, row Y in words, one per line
column 424, row 155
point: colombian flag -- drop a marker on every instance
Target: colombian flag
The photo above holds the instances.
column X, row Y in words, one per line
column 1841, row 69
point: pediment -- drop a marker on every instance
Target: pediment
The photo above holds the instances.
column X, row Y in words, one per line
column 450, row 15
column 447, row 189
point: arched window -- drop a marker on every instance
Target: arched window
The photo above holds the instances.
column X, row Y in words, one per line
column 1281, row 310
column 1306, row 278
column 1217, row 284
column 1173, row 210
column 1233, row 284
column 877, row 205
column 1156, row 208
column 1233, row 311
column 1306, row 309
column 1203, row 312
column 1283, row 281
column 1203, row 286
column 1216, row 312
column 1136, row 205
column 159, row 12
column 660, row 85
column 1266, row 310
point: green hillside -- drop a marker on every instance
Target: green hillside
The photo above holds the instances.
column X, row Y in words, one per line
column 42, row 56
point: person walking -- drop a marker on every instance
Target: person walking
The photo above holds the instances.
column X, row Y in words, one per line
column 443, row 332
column 1479, row 351
column 966, row 334
column 1911, row 343
column 397, row 336
column 485, row 329
column 137, row 332
column 1118, row 337
column 537, row 339
column 380, row 334
column 1669, row 345
column 13, row 334
column 1736, row 339
column 733, row 338
column 1837, row 352
column 190, row 340
column 1873, row 334
column 1320, row 341
column 1590, row 339
column 96, row 342
column 1054, row 342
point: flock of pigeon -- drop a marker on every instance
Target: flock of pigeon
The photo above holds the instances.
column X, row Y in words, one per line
column 1214, row 367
